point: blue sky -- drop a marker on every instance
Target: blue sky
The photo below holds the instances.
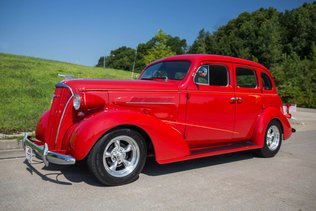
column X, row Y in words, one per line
column 80, row 31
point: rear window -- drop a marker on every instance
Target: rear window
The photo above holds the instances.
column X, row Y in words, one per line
column 246, row 78
column 266, row 82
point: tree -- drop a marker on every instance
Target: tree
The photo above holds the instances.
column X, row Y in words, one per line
column 299, row 29
column 160, row 48
column 283, row 42
column 142, row 50
column 255, row 36
column 121, row 58
column 296, row 79
column 176, row 44
column 200, row 46
column 161, row 45
column 101, row 61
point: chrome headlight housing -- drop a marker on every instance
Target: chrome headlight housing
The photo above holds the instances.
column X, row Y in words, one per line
column 77, row 102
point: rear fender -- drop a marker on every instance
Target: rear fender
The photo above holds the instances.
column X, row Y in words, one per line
column 265, row 117
column 168, row 143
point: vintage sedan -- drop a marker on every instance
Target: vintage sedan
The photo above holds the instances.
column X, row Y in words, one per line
column 180, row 108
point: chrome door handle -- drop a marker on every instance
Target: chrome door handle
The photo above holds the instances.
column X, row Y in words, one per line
column 240, row 99
column 236, row 99
column 232, row 100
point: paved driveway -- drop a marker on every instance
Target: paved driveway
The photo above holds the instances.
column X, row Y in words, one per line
column 236, row 181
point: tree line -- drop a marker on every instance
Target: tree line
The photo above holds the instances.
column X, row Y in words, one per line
column 285, row 42
column 161, row 45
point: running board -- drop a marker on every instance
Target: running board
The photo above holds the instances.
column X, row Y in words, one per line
column 221, row 148
column 212, row 151
column 236, row 147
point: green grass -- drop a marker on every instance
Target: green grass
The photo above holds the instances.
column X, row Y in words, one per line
column 27, row 84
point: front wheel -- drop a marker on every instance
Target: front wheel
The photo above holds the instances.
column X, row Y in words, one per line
column 272, row 140
column 118, row 157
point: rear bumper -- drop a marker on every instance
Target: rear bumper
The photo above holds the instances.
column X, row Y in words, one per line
column 47, row 156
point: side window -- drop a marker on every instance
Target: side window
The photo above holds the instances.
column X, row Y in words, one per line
column 202, row 76
column 214, row 75
column 246, row 78
column 266, row 82
column 218, row 75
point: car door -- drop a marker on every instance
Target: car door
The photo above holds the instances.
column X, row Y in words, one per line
column 248, row 101
column 210, row 111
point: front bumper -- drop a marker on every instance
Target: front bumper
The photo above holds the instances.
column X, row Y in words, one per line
column 47, row 156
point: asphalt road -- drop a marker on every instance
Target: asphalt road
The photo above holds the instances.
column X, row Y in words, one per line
column 236, row 181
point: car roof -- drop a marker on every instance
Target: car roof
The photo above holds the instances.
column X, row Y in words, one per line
column 212, row 57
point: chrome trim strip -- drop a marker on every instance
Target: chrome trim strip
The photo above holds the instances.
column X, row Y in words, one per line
column 62, row 85
column 46, row 155
column 151, row 103
column 61, row 119
column 200, row 126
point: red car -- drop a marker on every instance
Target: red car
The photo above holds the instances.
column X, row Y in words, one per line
column 180, row 108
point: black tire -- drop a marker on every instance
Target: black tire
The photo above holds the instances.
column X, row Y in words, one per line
column 272, row 140
column 118, row 157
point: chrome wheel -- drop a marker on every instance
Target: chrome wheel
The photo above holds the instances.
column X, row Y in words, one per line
column 121, row 156
column 273, row 137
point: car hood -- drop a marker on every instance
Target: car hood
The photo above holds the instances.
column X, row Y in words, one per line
column 120, row 85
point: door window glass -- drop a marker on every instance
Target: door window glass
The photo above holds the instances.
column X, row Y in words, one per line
column 246, row 78
column 218, row 75
column 214, row 75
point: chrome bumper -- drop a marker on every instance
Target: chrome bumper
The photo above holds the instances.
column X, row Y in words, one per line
column 46, row 155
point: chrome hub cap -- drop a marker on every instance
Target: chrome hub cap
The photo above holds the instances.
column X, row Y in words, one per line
column 273, row 137
column 118, row 155
column 121, row 156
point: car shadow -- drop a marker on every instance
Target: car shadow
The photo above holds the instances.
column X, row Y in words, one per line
column 152, row 168
column 73, row 174
column 80, row 173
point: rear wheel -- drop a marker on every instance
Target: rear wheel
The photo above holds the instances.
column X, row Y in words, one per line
column 118, row 157
column 272, row 140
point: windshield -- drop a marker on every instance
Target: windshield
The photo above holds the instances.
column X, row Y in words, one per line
column 174, row 70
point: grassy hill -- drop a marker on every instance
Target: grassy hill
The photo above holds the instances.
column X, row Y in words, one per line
column 27, row 84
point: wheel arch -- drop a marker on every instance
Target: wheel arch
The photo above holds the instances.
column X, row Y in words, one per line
column 165, row 142
column 267, row 115
column 141, row 131
column 279, row 121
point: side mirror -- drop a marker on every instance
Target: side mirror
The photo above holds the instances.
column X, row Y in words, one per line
column 202, row 75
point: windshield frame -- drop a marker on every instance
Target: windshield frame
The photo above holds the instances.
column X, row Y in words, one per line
column 165, row 77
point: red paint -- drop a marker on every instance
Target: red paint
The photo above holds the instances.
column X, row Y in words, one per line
column 91, row 101
column 52, row 134
column 184, row 120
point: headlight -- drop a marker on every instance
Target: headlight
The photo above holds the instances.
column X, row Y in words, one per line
column 87, row 101
column 77, row 101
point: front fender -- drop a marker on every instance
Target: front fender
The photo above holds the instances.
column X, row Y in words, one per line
column 168, row 143
column 41, row 127
column 265, row 117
